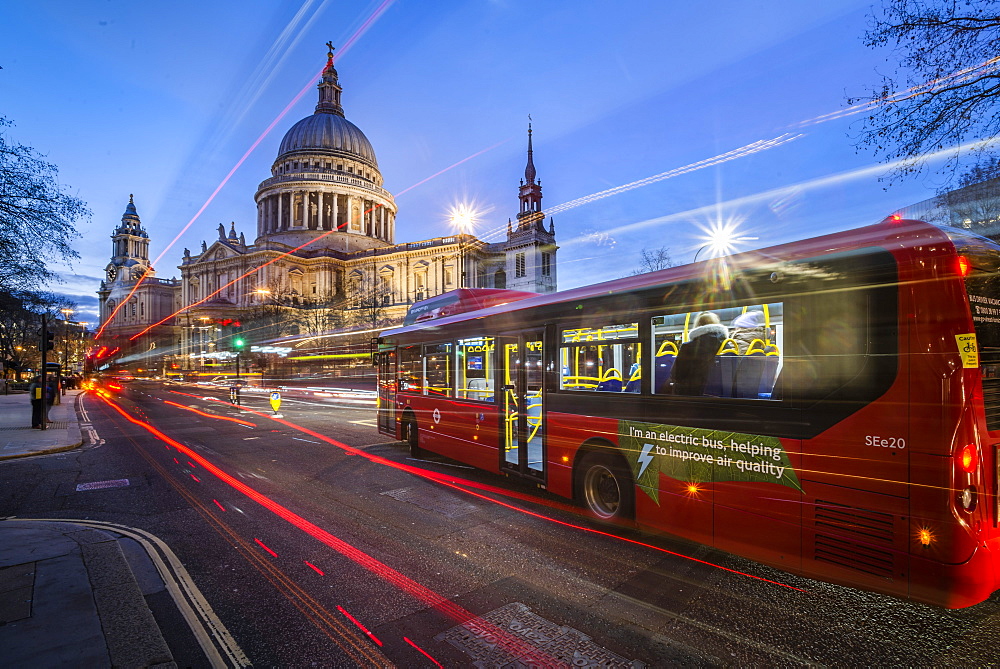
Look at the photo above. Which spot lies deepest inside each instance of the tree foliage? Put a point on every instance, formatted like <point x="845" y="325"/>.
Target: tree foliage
<point x="946" y="89"/>
<point x="36" y="217"/>
<point x="20" y="326"/>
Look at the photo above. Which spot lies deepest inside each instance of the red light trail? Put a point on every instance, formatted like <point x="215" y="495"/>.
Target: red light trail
<point x="207" y="415"/>
<point x="418" y="591"/>
<point x="423" y="652"/>
<point x="460" y="485"/>
<point x="360" y="626"/>
<point x="261" y="543"/>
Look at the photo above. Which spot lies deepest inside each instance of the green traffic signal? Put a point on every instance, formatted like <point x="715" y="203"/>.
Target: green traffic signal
<point x="238" y="343"/>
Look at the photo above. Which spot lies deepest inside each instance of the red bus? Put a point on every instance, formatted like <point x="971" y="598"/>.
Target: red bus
<point x="830" y="407"/>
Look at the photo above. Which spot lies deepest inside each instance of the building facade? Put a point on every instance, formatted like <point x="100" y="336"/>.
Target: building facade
<point x="130" y="303"/>
<point x="324" y="256"/>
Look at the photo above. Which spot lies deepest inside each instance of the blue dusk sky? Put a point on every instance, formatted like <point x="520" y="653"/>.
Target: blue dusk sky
<point x="163" y="100"/>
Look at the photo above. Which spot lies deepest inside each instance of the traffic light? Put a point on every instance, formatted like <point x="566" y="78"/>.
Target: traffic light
<point x="238" y="341"/>
<point x="48" y="340"/>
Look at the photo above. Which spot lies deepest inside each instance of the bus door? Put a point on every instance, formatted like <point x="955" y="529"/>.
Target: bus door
<point x="522" y="425"/>
<point x="387" y="380"/>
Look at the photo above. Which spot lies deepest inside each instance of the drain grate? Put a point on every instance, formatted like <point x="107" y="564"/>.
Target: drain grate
<point x="51" y="426"/>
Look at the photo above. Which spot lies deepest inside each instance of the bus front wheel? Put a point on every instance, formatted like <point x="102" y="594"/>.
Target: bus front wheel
<point x="412" y="437"/>
<point x="606" y="487"/>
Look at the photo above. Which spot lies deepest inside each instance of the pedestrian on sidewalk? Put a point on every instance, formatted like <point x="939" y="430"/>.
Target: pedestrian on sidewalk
<point x="50" y="396"/>
<point x="36" y="394"/>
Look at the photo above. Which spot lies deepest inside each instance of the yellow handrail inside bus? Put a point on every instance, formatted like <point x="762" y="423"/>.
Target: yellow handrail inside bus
<point x="733" y="347"/>
<point x="671" y="348"/>
<point x="580" y="381"/>
<point x="754" y="343"/>
<point x="612" y="374"/>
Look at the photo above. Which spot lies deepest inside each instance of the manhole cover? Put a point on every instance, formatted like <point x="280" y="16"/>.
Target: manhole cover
<point x="433" y="499"/>
<point x="514" y="637"/>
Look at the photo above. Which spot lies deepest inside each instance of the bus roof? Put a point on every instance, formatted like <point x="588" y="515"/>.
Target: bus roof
<point x="460" y="301"/>
<point x="892" y="232"/>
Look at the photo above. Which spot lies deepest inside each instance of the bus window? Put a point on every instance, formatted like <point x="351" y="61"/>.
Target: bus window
<point x="411" y="369"/>
<point x="601" y="359"/>
<point x="727" y="352"/>
<point x="437" y="369"/>
<point x="475" y="369"/>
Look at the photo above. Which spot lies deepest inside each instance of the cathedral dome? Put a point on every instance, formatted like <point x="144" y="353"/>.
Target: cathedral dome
<point x="326" y="132"/>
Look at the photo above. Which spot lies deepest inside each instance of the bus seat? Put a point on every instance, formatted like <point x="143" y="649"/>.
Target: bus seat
<point x="727" y="361"/>
<point x="714" y="384"/>
<point x="768" y="375"/>
<point x="720" y="376"/>
<point x="634" y="381"/>
<point x="756" y="374"/>
<point x="612" y="381"/>
<point x="756" y="346"/>
<point x="661" y="375"/>
<point x="748" y="375"/>
<point x="477" y="389"/>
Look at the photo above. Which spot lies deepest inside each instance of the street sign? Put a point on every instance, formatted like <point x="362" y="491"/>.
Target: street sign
<point x="275" y="401"/>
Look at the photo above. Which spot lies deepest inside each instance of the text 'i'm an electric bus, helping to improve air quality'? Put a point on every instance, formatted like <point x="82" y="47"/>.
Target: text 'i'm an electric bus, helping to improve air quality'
<point x="830" y="407"/>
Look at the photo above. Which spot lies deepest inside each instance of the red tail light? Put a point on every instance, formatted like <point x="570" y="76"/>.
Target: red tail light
<point x="968" y="458"/>
<point x="964" y="266"/>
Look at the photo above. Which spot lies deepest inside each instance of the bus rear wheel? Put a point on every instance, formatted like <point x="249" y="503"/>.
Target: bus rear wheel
<point x="606" y="487"/>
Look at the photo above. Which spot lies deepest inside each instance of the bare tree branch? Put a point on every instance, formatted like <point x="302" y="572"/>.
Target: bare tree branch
<point x="946" y="89"/>
<point x="36" y="217"/>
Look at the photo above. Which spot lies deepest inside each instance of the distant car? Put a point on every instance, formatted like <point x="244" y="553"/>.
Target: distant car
<point x="229" y="381"/>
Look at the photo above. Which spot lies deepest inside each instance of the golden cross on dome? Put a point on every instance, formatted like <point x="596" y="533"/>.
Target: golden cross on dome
<point x="329" y="53"/>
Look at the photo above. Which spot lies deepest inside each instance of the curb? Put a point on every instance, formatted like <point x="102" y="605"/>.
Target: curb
<point x="54" y="449"/>
<point x="132" y="634"/>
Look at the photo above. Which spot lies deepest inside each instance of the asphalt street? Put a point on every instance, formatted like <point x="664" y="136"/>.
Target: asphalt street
<point x="315" y="540"/>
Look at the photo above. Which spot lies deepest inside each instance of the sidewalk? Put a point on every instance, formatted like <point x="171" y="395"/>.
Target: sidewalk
<point x="18" y="440"/>
<point x="69" y="598"/>
<point x="70" y="595"/>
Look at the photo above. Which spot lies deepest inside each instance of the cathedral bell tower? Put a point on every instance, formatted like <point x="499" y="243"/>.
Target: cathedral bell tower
<point x="530" y="248"/>
<point x="130" y="248"/>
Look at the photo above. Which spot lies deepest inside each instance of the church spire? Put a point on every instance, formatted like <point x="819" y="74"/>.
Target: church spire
<point x="529" y="170"/>
<point x="530" y="194"/>
<point x="329" y="88"/>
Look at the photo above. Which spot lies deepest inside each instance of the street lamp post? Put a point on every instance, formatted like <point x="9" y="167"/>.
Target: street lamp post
<point x="62" y="370"/>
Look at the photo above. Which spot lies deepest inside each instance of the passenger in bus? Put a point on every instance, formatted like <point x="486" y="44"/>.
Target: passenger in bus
<point x="746" y="327"/>
<point x="696" y="356"/>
